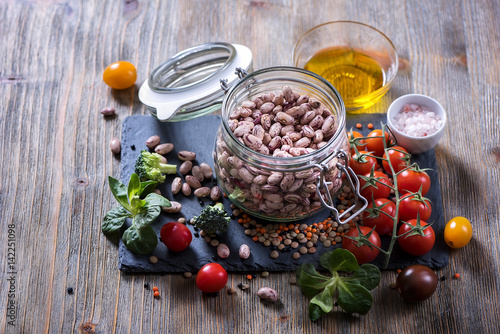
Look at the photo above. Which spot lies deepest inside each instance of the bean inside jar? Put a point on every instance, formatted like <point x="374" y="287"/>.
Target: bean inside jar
<point x="281" y="124"/>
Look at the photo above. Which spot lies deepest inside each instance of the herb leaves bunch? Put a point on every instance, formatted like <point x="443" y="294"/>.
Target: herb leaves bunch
<point x="138" y="202"/>
<point x="352" y="293"/>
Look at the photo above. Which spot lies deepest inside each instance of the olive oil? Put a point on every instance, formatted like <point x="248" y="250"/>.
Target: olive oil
<point x="356" y="75"/>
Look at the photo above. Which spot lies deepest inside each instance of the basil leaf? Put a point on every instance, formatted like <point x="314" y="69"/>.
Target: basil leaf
<point x="155" y="199"/>
<point x="371" y="278"/>
<point x="339" y="260"/>
<point x="140" y="241"/>
<point x="134" y="186"/>
<point x="147" y="187"/>
<point x="310" y="281"/>
<point x="119" y="191"/>
<point x="137" y="204"/>
<point x="324" y="300"/>
<point x="114" y="219"/>
<point x="315" y="312"/>
<point x="354" y="298"/>
<point x="146" y="216"/>
<point x="321" y="304"/>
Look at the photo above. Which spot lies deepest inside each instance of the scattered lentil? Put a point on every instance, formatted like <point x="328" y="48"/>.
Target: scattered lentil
<point x="296" y="255"/>
<point x="303" y="250"/>
<point x="187" y="274"/>
<point x="359" y="125"/>
<point x="70" y="291"/>
<point x="153" y="259"/>
<point x="274" y="254"/>
<point x="231" y="290"/>
<point x="182" y="220"/>
<point x="370" y="126"/>
<point x="265" y="274"/>
<point x="456" y="276"/>
<point x="293" y="280"/>
<point x="214" y="242"/>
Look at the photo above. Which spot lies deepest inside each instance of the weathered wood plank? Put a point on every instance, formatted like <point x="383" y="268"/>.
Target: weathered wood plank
<point x="54" y="144"/>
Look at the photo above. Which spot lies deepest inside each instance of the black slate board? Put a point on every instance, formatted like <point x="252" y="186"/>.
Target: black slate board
<point x="198" y="135"/>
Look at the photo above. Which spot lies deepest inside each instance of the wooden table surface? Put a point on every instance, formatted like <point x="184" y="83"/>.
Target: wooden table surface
<point x="55" y="160"/>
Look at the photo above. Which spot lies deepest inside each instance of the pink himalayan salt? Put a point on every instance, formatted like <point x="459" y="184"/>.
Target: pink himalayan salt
<point x="417" y="121"/>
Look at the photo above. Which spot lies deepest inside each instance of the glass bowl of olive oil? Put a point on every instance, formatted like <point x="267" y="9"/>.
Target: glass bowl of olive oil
<point x="357" y="59"/>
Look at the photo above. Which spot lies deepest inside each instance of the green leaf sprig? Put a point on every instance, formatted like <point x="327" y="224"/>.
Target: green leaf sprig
<point x="351" y="292"/>
<point x="138" y="202"/>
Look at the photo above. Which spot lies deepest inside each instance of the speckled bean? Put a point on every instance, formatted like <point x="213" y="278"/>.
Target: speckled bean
<point x="174" y="207"/>
<point x="186" y="189"/>
<point x="115" y="145"/>
<point x="176" y="185"/>
<point x="215" y="193"/>
<point x="252" y="142"/>
<point x="223" y="251"/>
<point x="202" y="192"/>
<point x="244" y="251"/>
<point x="153" y="141"/>
<point x="192" y="181"/>
<point x="185" y="167"/>
<point x="206" y="170"/>
<point x="164" y="148"/>
<point x="186" y="155"/>
<point x="287" y="181"/>
<point x="268" y="294"/>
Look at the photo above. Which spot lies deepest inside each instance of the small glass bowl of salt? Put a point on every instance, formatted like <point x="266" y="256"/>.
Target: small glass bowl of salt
<point x="417" y="121"/>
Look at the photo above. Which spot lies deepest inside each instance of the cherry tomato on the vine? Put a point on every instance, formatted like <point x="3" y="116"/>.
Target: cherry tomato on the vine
<point x="212" y="277"/>
<point x="412" y="205"/>
<point x="416" y="283"/>
<point x="360" y="144"/>
<point x="376" y="215"/>
<point x="362" y="164"/>
<point x="371" y="189"/>
<point x="418" y="242"/>
<point x="376" y="145"/>
<point x="363" y="253"/>
<point x="120" y="75"/>
<point x="176" y="236"/>
<point x="411" y="180"/>
<point x="399" y="159"/>
<point x="458" y="232"/>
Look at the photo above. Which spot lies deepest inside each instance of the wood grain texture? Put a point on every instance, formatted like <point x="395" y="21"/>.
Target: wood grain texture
<point x="55" y="159"/>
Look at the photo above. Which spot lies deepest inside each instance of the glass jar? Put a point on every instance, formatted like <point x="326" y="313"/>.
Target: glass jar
<point x="276" y="185"/>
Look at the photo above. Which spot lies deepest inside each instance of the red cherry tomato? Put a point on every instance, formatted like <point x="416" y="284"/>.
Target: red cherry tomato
<point x="374" y="189"/>
<point x="416" y="244"/>
<point x="376" y="145"/>
<point x="363" y="253"/>
<point x="411" y="181"/>
<point x="120" y="75"/>
<point x="360" y="144"/>
<point x="212" y="277"/>
<point x="176" y="236"/>
<point x="413" y="205"/>
<point x="399" y="160"/>
<point x="374" y="216"/>
<point x="363" y="164"/>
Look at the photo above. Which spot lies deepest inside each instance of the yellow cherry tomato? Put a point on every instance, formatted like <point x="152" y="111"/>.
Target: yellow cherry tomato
<point x="458" y="232"/>
<point x="120" y="75"/>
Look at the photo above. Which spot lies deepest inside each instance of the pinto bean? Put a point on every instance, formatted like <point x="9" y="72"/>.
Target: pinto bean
<point x="164" y="148"/>
<point x="186" y="155"/>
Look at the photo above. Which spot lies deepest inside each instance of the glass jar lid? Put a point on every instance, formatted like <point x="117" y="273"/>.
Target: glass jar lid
<point x="188" y="84"/>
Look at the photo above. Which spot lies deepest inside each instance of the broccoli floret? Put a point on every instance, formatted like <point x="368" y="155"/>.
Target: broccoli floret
<point x="237" y="195"/>
<point x="212" y="219"/>
<point x="149" y="167"/>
